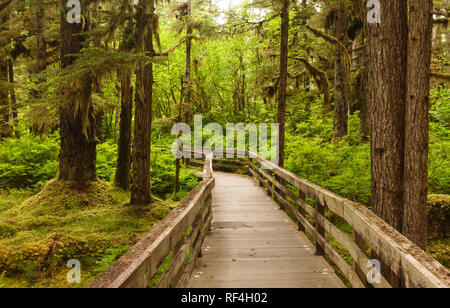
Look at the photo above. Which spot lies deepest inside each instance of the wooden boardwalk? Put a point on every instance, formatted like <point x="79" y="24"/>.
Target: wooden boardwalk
<point x="253" y="244"/>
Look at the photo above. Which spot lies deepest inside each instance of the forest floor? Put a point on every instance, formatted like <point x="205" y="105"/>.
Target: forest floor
<point x="88" y="222"/>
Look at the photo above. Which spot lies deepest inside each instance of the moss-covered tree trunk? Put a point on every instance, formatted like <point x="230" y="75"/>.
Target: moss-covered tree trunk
<point x="284" y="51"/>
<point x="41" y="44"/>
<point x="417" y="113"/>
<point x="5" y="128"/>
<point x="5" y="104"/>
<point x="77" y="158"/>
<point x="340" y="127"/>
<point x="188" y="64"/>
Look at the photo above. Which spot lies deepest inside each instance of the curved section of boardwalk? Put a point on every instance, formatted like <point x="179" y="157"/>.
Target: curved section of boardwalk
<point x="253" y="244"/>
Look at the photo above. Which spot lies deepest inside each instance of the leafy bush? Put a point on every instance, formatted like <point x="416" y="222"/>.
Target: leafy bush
<point x="28" y="162"/>
<point x="163" y="174"/>
<point x="342" y="167"/>
<point x="106" y="161"/>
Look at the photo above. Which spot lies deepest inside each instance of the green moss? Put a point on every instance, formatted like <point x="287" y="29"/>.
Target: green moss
<point x="438" y="216"/>
<point x="440" y="250"/>
<point x="90" y="222"/>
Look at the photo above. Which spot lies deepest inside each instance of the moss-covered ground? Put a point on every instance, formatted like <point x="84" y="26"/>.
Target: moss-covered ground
<point x="90" y="222"/>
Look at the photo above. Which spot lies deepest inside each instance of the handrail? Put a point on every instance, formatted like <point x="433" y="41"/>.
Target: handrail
<point x="138" y="266"/>
<point x="412" y="266"/>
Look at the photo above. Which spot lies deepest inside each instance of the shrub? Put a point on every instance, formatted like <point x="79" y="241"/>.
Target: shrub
<point x="106" y="161"/>
<point x="163" y="174"/>
<point x="28" y="162"/>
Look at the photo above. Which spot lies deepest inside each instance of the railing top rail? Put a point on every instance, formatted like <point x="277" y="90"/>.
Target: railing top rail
<point x="137" y="267"/>
<point x="404" y="257"/>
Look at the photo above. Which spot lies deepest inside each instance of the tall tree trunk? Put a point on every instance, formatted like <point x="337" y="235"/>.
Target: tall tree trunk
<point x="5" y="128"/>
<point x="122" y="177"/>
<point x="12" y="90"/>
<point x="141" y="188"/>
<point x="340" y="128"/>
<point x="387" y="47"/>
<point x="188" y="64"/>
<point x="41" y="44"/>
<point x="77" y="158"/>
<point x="417" y="112"/>
<point x="283" y="79"/>
<point x="361" y="92"/>
<point x="37" y="127"/>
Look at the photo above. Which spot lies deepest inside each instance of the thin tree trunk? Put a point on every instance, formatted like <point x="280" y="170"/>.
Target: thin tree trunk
<point x="188" y="64"/>
<point x="5" y="128"/>
<point x="12" y="90"/>
<point x="361" y="90"/>
<point x="41" y="44"/>
<point x="417" y="112"/>
<point x="122" y="177"/>
<point x="141" y="188"/>
<point x="77" y="158"/>
<point x="387" y="47"/>
<point x="283" y="79"/>
<point x="340" y="128"/>
<point x="41" y="61"/>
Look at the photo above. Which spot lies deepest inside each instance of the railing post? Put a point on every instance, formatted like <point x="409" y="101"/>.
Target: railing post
<point x="357" y="267"/>
<point x="302" y="211"/>
<point x="270" y="184"/>
<point x="321" y="210"/>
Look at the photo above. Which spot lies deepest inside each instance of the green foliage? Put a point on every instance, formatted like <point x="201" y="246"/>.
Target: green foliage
<point x="28" y="162"/>
<point x="89" y="222"/>
<point x="342" y="167"/>
<point x="111" y="255"/>
<point x="2" y="276"/>
<point x="440" y="250"/>
<point x="106" y="161"/>
<point x="163" y="174"/>
<point x="439" y="173"/>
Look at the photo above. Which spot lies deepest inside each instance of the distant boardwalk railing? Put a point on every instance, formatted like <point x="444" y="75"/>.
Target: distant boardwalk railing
<point x="403" y="264"/>
<point x="181" y="233"/>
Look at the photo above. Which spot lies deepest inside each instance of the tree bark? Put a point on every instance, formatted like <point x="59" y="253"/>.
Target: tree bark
<point x="122" y="177"/>
<point x="188" y="64"/>
<point x="141" y="188"/>
<point x="5" y="128"/>
<point x="340" y="127"/>
<point x="41" y="45"/>
<point x="417" y="123"/>
<point x="387" y="47"/>
<point x="284" y="52"/>
<point x="77" y="158"/>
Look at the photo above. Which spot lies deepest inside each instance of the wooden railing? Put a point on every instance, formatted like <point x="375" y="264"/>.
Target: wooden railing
<point x="307" y="204"/>
<point x="180" y="234"/>
<point x="411" y="266"/>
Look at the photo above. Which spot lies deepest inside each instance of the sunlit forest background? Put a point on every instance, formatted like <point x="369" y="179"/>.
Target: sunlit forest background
<point x="234" y="50"/>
